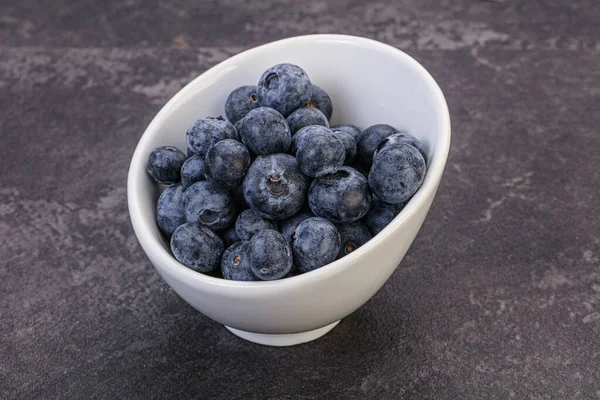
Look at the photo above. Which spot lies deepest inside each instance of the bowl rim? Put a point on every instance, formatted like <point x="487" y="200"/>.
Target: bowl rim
<point x="141" y="224"/>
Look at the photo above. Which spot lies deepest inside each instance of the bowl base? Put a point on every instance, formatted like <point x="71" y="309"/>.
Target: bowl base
<point x="281" y="340"/>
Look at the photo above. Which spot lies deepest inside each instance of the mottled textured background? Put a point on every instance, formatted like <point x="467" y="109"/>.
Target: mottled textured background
<point x="499" y="297"/>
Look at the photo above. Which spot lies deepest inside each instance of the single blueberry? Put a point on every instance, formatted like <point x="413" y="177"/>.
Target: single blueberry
<point x="237" y="196"/>
<point x="321" y="100"/>
<point x="288" y="226"/>
<point x="235" y="263"/>
<point x="197" y="247"/>
<point x="306" y="116"/>
<point x="381" y="214"/>
<point x="264" y="131"/>
<point x="249" y="223"/>
<point x="316" y="242"/>
<point x="226" y="163"/>
<point x="284" y="87"/>
<point x="406" y="138"/>
<point x="209" y="205"/>
<point x="353" y="235"/>
<point x="351" y="129"/>
<point x="240" y="102"/>
<point x="192" y="171"/>
<point x="349" y="146"/>
<point x="205" y="133"/>
<point x="164" y="164"/>
<point x="397" y="173"/>
<point x="169" y="209"/>
<point x="368" y="141"/>
<point x="274" y="186"/>
<point x="270" y="255"/>
<point x="342" y="197"/>
<point x="319" y="152"/>
<point x="230" y="236"/>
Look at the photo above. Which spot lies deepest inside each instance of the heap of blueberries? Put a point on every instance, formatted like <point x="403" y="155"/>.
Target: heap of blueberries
<point x="274" y="191"/>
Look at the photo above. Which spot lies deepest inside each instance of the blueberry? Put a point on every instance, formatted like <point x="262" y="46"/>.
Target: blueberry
<point x="250" y="222"/>
<point x="264" y="131"/>
<point x="342" y="197"/>
<point x="381" y="214"/>
<point x="270" y="255"/>
<point x="351" y="129"/>
<point x="237" y="196"/>
<point x="284" y="87"/>
<point x="197" y="247"/>
<point x="403" y="138"/>
<point x="319" y="152"/>
<point x="235" y="263"/>
<point x="287" y="227"/>
<point x="240" y="102"/>
<point x="205" y="133"/>
<point x="349" y="146"/>
<point x="321" y="100"/>
<point x="164" y="164"/>
<point x="274" y="186"/>
<point x="397" y="173"/>
<point x="226" y="163"/>
<point x="316" y="242"/>
<point x="368" y="141"/>
<point x="306" y="116"/>
<point x="230" y="236"/>
<point x="353" y="235"/>
<point x="209" y="205"/>
<point x="169" y="209"/>
<point x="192" y="171"/>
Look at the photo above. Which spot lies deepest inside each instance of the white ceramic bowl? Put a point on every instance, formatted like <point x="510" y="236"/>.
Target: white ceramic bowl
<point x="369" y="83"/>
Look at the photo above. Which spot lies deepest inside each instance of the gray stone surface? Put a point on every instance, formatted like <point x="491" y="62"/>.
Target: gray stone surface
<point x="499" y="297"/>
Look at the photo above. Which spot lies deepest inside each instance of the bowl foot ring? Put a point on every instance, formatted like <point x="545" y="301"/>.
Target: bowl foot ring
<point x="279" y="340"/>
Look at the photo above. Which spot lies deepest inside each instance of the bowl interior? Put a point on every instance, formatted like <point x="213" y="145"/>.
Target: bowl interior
<point x="368" y="82"/>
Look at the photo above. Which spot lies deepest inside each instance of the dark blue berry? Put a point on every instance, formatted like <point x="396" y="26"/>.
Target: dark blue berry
<point x="306" y="116"/>
<point x="235" y="263"/>
<point x="288" y="226"/>
<point x="406" y="138"/>
<point x="316" y="242"/>
<point x="353" y="130"/>
<point x="321" y="100"/>
<point x="397" y="173"/>
<point x="169" y="209"/>
<point x="209" y="205"/>
<point x="264" y="131"/>
<point x="381" y="214"/>
<point x="274" y="186"/>
<point x="240" y="102"/>
<point x="353" y="235"/>
<point x="249" y="223"/>
<point x="164" y="164"/>
<point x="270" y="255"/>
<point x="205" y="133"/>
<point x="230" y="236"/>
<point x="192" y="171"/>
<point x="319" y="152"/>
<point x="368" y="141"/>
<point x="226" y="163"/>
<point x="284" y="87"/>
<point x="342" y="197"/>
<point x="197" y="247"/>
<point x="349" y="146"/>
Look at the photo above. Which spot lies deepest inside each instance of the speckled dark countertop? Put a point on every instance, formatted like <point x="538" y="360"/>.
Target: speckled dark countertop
<point x="499" y="297"/>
